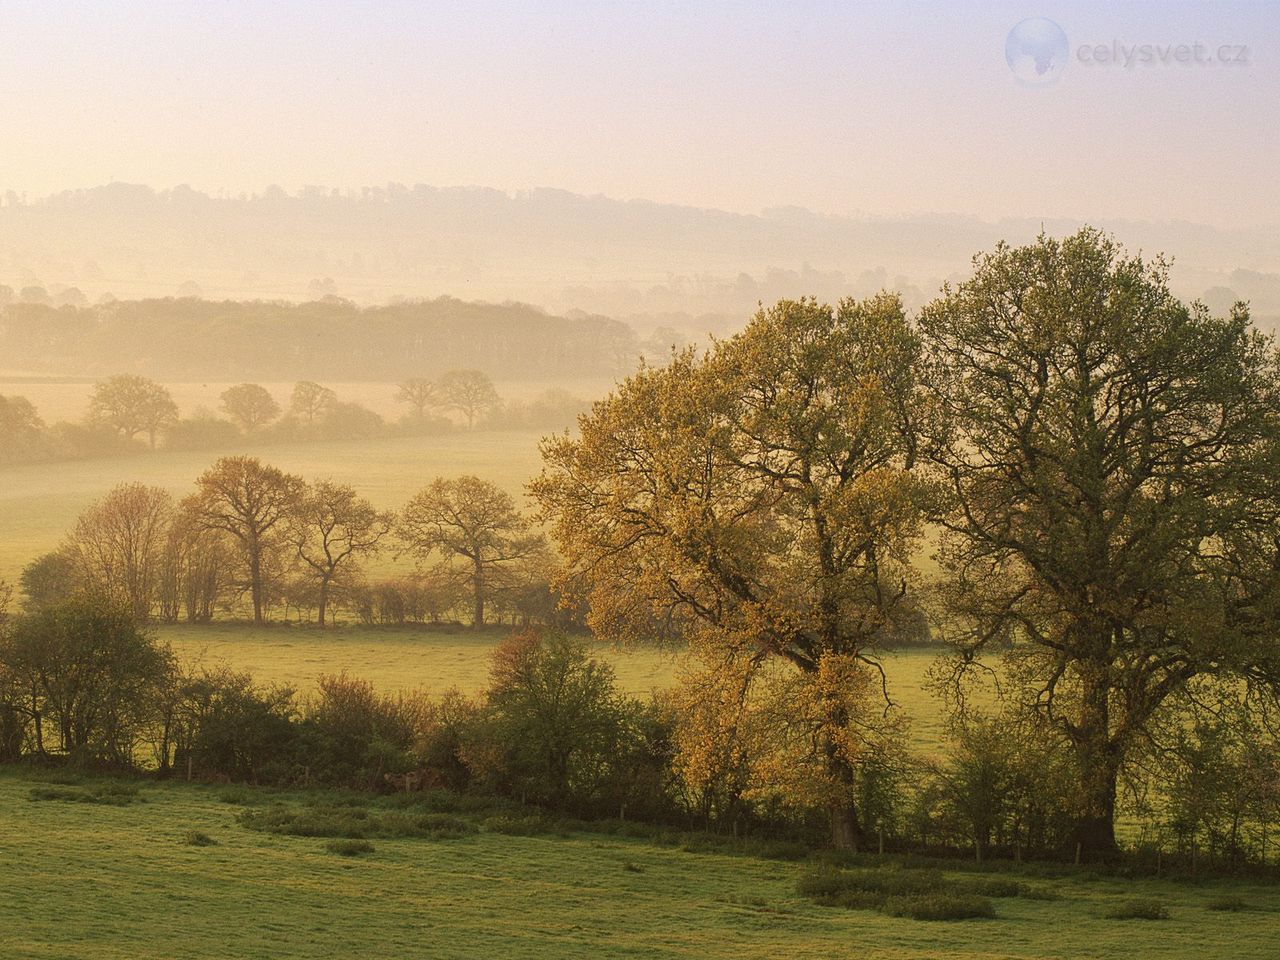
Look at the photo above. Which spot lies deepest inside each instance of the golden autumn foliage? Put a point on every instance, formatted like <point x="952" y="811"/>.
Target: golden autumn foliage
<point x="759" y="503"/>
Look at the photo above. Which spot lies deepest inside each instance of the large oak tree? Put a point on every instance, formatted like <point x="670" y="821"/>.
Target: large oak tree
<point x="1107" y="458"/>
<point x="760" y="502"/>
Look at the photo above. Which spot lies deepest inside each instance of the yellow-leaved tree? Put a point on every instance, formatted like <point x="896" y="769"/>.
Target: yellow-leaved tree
<point x="758" y="502"/>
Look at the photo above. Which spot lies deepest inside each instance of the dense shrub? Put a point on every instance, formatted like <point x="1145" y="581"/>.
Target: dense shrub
<point x="226" y="726"/>
<point x="93" y="681"/>
<point x="355" y="736"/>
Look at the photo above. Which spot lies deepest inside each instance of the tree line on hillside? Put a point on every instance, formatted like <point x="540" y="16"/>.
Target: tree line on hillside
<point x="128" y="411"/>
<point x="331" y="338"/>
<point x="1102" y="465"/>
<point x="254" y="541"/>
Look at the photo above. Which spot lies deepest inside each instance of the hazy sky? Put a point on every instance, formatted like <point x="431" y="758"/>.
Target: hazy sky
<point x="881" y="109"/>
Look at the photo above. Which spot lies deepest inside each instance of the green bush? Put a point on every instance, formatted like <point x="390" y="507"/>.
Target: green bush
<point x="194" y="838"/>
<point x="940" y="906"/>
<point x="1139" y="908"/>
<point x="349" y="848"/>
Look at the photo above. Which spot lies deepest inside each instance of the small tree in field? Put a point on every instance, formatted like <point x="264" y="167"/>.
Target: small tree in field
<point x="250" y="501"/>
<point x="250" y="406"/>
<point x="310" y="402"/>
<point x="557" y="713"/>
<point x="119" y="545"/>
<point x="130" y="404"/>
<point x="418" y="393"/>
<point x="469" y="392"/>
<point x="332" y="528"/>
<point x="470" y="520"/>
<point x="93" y="678"/>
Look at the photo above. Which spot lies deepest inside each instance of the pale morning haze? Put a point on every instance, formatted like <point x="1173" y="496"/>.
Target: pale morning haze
<point x="879" y="109"/>
<point x="635" y="479"/>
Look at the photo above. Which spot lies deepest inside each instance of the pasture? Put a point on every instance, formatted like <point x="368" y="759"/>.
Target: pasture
<point x="173" y="872"/>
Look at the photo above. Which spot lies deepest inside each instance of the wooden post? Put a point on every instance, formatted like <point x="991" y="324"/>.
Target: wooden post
<point x="881" y="841"/>
<point x="1077" y="853"/>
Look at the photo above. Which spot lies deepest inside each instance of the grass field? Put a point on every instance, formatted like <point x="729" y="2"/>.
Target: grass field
<point x="97" y="881"/>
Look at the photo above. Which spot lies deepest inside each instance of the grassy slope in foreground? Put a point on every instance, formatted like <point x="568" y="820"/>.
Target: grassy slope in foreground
<point x="101" y="882"/>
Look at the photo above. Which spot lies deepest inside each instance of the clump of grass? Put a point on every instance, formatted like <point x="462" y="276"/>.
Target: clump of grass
<point x="527" y="826"/>
<point x="1031" y="892"/>
<point x="352" y="824"/>
<point x="111" y="794"/>
<point x="236" y="795"/>
<point x="940" y="906"/>
<point x="1228" y="903"/>
<point x="920" y="894"/>
<point x="349" y="848"/>
<point x="630" y="867"/>
<point x="1138" y="908"/>
<point x="355" y="823"/>
<point x="194" y="838"/>
<point x="990" y="887"/>
<point x="828" y="883"/>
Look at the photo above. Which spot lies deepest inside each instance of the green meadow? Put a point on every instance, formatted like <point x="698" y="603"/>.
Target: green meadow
<point x="172" y="872"/>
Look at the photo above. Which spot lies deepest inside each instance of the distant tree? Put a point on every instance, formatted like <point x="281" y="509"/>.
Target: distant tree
<point x="6" y="295"/>
<point x="18" y="419"/>
<point x="21" y="430"/>
<point x="310" y="401"/>
<point x="331" y="528"/>
<point x="197" y="569"/>
<point x="119" y="545"/>
<point x="35" y="294"/>
<point x="50" y="579"/>
<point x="419" y="393"/>
<point x="250" y="501"/>
<point x="130" y="404"/>
<point x="350" y="421"/>
<point x="250" y="406"/>
<point x="469" y="392"/>
<point x="472" y="520"/>
<point x="71" y="297"/>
